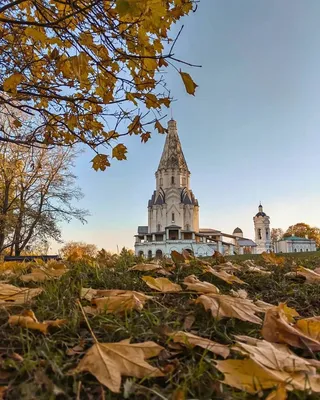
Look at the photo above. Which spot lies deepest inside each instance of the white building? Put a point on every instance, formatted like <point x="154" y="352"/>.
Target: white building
<point x="173" y="213"/>
<point x="262" y="231"/>
<point x="292" y="244"/>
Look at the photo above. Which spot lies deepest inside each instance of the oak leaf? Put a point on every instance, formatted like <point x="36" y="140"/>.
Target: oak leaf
<point x="12" y="295"/>
<point x="229" y="278"/>
<point x="223" y="306"/>
<point x="27" y="319"/>
<point x="278" y="327"/>
<point x="188" y="83"/>
<point x="193" y="283"/>
<point x="161" y="284"/>
<point x="109" y="361"/>
<point x="188" y="339"/>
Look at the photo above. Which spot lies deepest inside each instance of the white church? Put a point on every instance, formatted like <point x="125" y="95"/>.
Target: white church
<point x="173" y="215"/>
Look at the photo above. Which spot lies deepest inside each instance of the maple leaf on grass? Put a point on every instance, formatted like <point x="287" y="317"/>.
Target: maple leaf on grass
<point x="223" y="306"/>
<point x="273" y="259"/>
<point x="224" y="276"/>
<point x="161" y="284"/>
<point x="193" y="283"/>
<point x="278" y="327"/>
<point x="43" y="274"/>
<point x="27" y="319"/>
<point x="122" y="302"/>
<point x="150" y="267"/>
<point x="12" y="295"/>
<point x="188" y="339"/>
<point x="310" y="275"/>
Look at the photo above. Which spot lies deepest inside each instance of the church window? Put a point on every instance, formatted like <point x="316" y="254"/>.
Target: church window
<point x="267" y="234"/>
<point x="172" y="180"/>
<point x="259" y="234"/>
<point x="172" y="217"/>
<point x="184" y="181"/>
<point x="158" y="228"/>
<point x="188" y="227"/>
<point x="161" y="181"/>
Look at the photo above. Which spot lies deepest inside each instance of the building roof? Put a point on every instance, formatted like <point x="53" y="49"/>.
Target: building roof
<point x="172" y="155"/>
<point x="296" y="239"/>
<point x="246" y="242"/>
<point x="237" y="230"/>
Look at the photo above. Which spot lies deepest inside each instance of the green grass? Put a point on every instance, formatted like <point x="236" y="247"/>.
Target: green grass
<point x="43" y="371"/>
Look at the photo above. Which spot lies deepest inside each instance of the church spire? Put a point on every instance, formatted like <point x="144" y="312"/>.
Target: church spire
<point x="172" y="155"/>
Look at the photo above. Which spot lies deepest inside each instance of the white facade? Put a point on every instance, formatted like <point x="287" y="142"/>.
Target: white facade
<point x="173" y="213"/>
<point x="294" y="244"/>
<point x="262" y="231"/>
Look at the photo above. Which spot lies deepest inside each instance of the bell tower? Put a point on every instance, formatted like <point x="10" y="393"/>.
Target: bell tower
<point x="262" y="231"/>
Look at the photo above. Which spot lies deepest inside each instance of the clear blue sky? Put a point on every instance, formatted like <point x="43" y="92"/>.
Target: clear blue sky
<point x="251" y="132"/>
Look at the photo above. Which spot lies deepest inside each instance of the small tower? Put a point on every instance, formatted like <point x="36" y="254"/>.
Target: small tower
<point x="238" y="232"/>
<point x="262" y="231"/>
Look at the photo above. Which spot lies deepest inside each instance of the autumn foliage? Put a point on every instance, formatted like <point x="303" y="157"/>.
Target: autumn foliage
<point x="86" y="71"/>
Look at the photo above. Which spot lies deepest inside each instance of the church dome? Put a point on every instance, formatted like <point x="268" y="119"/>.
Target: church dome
<point x="237" y="230"/>
<point x="261" y="214"/>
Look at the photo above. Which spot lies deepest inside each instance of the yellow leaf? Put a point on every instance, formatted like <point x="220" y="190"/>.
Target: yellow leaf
<point x="273" y="259"/>
<point x="119" y="152"/>
<point x="161" y="284"/>
<point x="160" y="128"/>
<point x="193" y="283"/>
<point x="100" y="162"/>
<point x="109" y="361"/>
<point x="222" y="306"/>
<point x="145" y="267"/>
<point x="123" y="7"/>
<point x="28" y="320"/>
<point x="151" y="101"/>
<point x="310" y="327"/>
<point x="126" y="301"/>
<point x="280" y="393"/>
<point x="130" y="97"/>
<point x="88" y="293"/>
<point x="188" y="83"/>
<point x="10" y="84"/>
<point x="188" y="339"/>
<point x="35" y="34"/>
<point x="12" y="295"/>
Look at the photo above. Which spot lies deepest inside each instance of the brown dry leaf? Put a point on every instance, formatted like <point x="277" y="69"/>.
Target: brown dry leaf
<point x="3" y="390"/>
<point x="317" y="270"/>
<point x="188" y="339"/>
<point x="129" y="300"/>
<point x="239" y="293"/>
<point x="12" y="295"/>
<point x="179" y="258"/>
<point x="229" y="267"/>
<point x="222" y="306"/>
<point x="88" y="293"/>
<point x="263" y="305"/>
<point x="278" y="327"/>
<point x="189" y="321"/>
<point x="310" y="275"/>
<point x="193" y="283"/>
<point x="109" y="361"/>
<point x="273" y="259"/>
<point x="42" y="274"/>
<point x="27" y="319"/>
<point x="224" y="276"/>
<point x="145" y="267"/>
<point x="218" y="257"/>
<point x="161" y="284"/>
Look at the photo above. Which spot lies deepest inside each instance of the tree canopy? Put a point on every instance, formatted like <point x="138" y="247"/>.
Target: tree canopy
<point x="87" y="71"/>
<point x="301" y="230"/>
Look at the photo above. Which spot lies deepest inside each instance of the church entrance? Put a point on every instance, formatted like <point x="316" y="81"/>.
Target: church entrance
<point x="173" y="234"/>
<point x="158" y="254"/>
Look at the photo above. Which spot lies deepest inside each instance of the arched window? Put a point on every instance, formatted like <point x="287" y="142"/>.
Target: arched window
<point x="158" y="228"/>
<point x="172" y="218"/>
<point x="161" y="181"/>
<point x="267" y="234"/>
<point x="187" y="227"/>
<point x="172" y="180"/>
<point x="259" y="234"/>
<point x="184" y="181"/>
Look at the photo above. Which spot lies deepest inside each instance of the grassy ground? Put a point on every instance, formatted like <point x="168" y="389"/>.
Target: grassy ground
<point x="41" y="371"/>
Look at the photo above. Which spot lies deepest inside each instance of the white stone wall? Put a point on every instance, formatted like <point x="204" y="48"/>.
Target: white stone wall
<point x="199" y="249"/>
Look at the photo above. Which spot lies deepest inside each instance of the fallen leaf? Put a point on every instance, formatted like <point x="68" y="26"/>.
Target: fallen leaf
<point x="179" y="258"/>
<point x="311" y="276"/>
<point x="145" y="267"/>
<point x="263" y="305"/>
<point x="222" y="306"/>
<point x="28" y="320"/>
<point x="229" y="267"/>
<point x="280" y="393"/>
<point x="3" y="390"/>
<point x="12" y="295"/>
<point x="88" y="293"/>
<point x="193" y="283"/>
<point x="219" y="257"/>
<point x="109" y="361"/>
<point x="310" y="327"/>
<point x="239" y="293"/>
<point x="189" y="321"/>
<point x="161" y="284"/>
<point x="224" y="276"/>
<point x="42" y="274"/>
<point x="123" y="302"/>
<point x="188" y="339"/>
<point x="278" y="327"/>
<point x="273" y="259"/>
